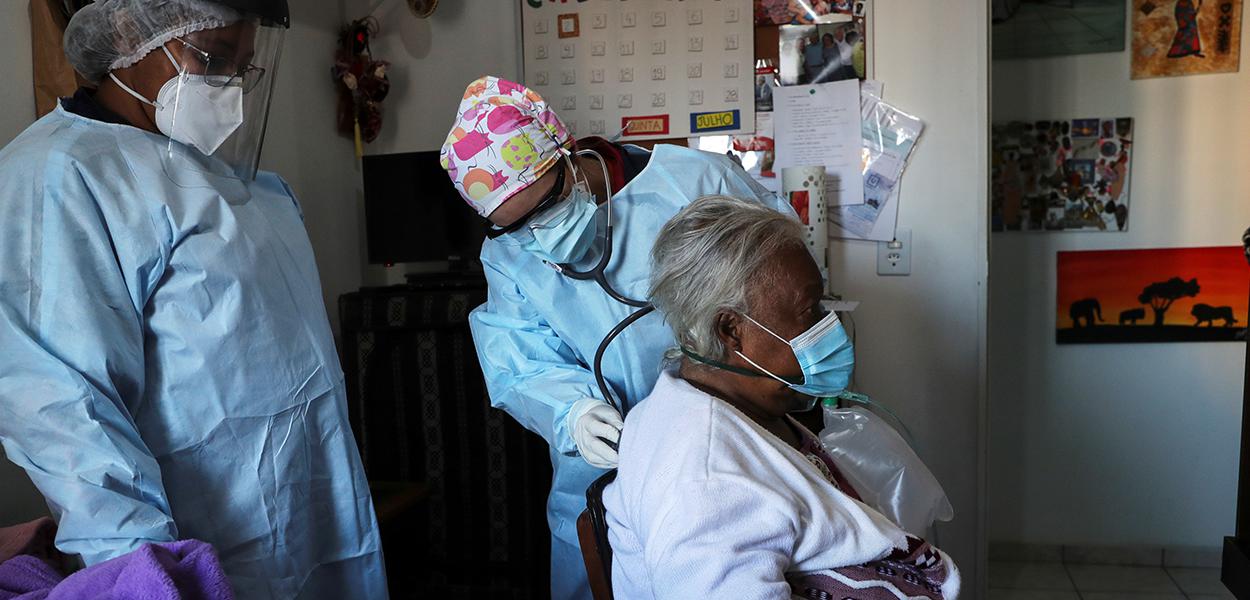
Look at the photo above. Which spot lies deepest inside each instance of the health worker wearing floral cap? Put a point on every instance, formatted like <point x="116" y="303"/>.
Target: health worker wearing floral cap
<point x="549" y="199"/>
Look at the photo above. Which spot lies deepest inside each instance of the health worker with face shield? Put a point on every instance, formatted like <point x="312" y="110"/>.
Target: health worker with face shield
<point x="567" y="263"/>
<point x="169" y="370"/>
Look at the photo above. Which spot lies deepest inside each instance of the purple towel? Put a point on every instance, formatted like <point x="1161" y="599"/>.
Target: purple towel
<point x="27" y="577"/>
<point x="187" y="570"/>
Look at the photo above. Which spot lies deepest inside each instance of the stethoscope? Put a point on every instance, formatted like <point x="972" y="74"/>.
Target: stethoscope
<point x="598" y="274"/>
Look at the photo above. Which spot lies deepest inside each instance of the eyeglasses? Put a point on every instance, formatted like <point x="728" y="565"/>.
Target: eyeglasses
<point x="224" y="72"/>
<point x="552" y="198"/>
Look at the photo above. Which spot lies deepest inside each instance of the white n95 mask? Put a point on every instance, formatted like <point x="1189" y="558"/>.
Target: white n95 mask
<point x="191" y="111"/>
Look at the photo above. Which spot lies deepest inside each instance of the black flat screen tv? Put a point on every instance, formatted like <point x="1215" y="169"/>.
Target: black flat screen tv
<point x="413" y="213"/>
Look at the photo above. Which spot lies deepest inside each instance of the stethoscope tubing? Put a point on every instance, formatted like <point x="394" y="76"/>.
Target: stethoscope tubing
<point x="598" y="274"/>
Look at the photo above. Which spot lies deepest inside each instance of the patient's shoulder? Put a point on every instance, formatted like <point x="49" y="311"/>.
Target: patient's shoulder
<point x="682" y="433"/>
<point x="675" y="413"/>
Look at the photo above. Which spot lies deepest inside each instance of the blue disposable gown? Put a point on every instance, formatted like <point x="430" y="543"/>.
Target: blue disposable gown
<point x="537" y="334"/>
<point x="168" y="370"/>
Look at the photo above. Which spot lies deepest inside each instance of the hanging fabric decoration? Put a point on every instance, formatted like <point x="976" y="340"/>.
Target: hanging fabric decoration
<point x="362" y="83"/>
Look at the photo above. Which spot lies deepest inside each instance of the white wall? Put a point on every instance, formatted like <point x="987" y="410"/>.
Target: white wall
<point x="1119" y="444"/>
<point x="919" y="345"/>
<point x="433" y="62"/>
<point x="17" y="97"/>
<point x="302" y="145"/>
<point x="20" y="501"/>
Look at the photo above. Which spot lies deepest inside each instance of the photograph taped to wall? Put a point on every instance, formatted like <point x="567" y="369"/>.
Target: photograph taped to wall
<point x="1061" y="175"/>
<point x="1185" y="37"/>
<point x="833" y="51"/>
<point x="1157" y="295"/>
<point x="671" y="69"/>
<point x="765" y="80"/>
<point x="803" y="12"/>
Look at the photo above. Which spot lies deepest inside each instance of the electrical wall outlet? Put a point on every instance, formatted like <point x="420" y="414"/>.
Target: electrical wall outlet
<point x="894" y="257"/>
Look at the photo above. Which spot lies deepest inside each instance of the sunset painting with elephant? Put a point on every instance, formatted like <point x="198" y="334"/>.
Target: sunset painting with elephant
<point x="1156" y="295"/>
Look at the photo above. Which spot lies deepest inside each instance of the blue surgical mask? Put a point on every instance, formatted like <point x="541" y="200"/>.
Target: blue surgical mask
<point x="825" y="355"/>
<point x="565" y="233"/>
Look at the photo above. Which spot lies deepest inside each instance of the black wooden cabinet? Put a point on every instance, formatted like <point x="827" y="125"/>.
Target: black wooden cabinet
<point x="419" y="409"/>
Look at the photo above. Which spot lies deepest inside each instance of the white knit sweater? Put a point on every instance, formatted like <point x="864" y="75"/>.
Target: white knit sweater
<point x="708" y="504"/>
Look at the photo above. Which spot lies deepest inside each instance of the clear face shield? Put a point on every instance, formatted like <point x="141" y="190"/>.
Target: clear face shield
<point x="216" y="110"/>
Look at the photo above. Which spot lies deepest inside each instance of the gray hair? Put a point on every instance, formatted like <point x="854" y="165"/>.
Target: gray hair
<point x="705" y="258"/>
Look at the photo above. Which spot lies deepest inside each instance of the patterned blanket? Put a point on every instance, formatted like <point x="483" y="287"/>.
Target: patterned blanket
<point x="919" y="572"/>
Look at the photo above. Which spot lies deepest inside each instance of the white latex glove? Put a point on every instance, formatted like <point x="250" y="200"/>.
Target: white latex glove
<point x="596" y="428"/>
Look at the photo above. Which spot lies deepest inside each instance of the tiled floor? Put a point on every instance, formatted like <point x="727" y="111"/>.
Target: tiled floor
<point x="1058" y="581"/>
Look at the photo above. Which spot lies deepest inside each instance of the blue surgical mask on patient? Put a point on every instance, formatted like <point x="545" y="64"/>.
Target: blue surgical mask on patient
<point x="825" y="355"/>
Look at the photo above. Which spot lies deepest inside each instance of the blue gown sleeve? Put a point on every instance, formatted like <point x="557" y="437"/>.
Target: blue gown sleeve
<point x="72" y="338"/>
<point x="530" y="372"/>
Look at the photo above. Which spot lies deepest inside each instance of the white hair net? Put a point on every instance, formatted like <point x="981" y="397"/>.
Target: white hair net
<point x="107" y="35"/>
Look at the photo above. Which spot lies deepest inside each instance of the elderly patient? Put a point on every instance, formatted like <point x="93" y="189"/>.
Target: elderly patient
<point x="720" y="493"/>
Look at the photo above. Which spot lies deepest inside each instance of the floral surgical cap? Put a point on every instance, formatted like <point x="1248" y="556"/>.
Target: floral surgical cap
<point x="505" y="138"/>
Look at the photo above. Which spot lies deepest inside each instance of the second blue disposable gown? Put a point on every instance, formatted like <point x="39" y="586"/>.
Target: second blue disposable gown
<point x="537" y="334"/>
<point x="168" y="370"/>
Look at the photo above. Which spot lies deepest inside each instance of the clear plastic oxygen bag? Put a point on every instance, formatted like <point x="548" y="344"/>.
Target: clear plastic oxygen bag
<point x="882" y="467"/>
